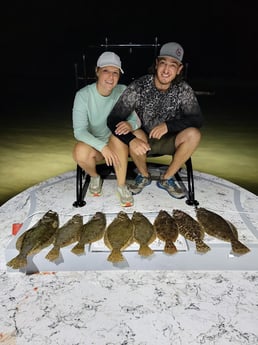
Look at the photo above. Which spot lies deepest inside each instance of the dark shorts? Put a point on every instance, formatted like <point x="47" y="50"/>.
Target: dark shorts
<point x="163" y="146"/>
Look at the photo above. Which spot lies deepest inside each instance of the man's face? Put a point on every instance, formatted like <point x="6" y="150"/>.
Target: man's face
<point x="167" y="69"/>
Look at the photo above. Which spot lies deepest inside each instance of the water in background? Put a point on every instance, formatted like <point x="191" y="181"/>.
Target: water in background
<point x="37" y="140"/>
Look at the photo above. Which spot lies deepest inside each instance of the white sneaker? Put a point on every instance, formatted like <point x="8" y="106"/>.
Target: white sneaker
<point x="125" y="196"/>
<point x="95" y="186"/>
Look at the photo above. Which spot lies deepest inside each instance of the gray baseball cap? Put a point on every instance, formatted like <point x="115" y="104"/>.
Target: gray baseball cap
<point x="172" y="49"/>
<point x="109" y="59"/>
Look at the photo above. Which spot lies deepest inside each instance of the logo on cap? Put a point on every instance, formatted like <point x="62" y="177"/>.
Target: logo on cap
<point x="179" y="52"/>
<point x="172" y="49"/>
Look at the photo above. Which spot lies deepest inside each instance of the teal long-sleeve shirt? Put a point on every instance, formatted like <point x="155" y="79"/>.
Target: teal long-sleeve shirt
<point x="90" y="112"/>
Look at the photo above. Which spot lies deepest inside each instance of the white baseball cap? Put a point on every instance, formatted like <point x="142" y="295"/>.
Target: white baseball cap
<point x="109" y="59"/>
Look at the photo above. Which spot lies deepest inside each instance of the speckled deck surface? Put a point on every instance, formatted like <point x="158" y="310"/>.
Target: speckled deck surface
<point x="58" y="194"/>
<point x="186" y="298"/>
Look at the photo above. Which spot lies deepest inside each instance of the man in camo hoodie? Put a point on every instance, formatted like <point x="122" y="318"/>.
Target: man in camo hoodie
<point x="170" y="116"/>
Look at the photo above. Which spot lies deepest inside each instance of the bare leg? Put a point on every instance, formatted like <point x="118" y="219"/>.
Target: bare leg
<point x="87" y="157"/>
<point x="140" y="161"/>
<point x="122" y="151"/>
<point x="186" y="143"/>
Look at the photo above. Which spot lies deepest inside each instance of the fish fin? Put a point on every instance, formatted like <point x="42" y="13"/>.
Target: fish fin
<point x="18" y="262"/>
<point x="170" y="248"/>
<point x="53" y="254"/>
<point x="238" y="247"/>
<point x="233" y="229"/>
<point x="115" y="256"/>
<point x="20" y="241"/>
<point x="201" y="247"/>
<point x="145" y="250"/>
<point x="78" y="249"/>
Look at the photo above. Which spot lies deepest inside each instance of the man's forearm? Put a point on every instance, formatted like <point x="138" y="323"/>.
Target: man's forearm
<point x="125" y="138"/>
<point x="112" y="122"/>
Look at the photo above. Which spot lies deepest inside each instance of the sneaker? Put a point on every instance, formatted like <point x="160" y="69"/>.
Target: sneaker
<point x="139" y="183"/>
<point x="171" y="187"/>
<point x="125" y="196"/>
<point x="95" y="186"/>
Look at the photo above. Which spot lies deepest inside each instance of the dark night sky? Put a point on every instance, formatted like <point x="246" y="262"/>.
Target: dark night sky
<point x="43" y="39"/>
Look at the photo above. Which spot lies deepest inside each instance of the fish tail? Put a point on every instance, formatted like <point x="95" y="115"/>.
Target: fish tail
<point x="53" y="254"/>
<point x="170" y="247"/>
<point x="115" y="256"/>
<point x="18" y="262"/>
<point x="78" y="249"/>
<point x="238" y="247"/>
<point x="201" y="247"/>
<point x="145" y="250"/>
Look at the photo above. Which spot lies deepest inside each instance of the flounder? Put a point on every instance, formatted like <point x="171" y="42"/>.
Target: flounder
<point x="167" y="231"/>
<point x="191" y="230"/>
<point x="118" y="236"/>
<point x="66" y="235"/>
<point x="144" y="233"/>
<point x="216" y="226"/>
<point x="91" y="231"/>
<point x="33" y="240"/>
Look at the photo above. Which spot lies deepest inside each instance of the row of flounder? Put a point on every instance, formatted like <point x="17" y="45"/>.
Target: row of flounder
<point x="122" y="232"/>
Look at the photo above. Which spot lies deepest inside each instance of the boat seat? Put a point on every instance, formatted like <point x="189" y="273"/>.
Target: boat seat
<point x="155" y="166"/>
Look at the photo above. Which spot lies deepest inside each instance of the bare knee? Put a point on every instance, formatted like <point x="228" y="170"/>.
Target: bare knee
<point x="81" y="151"/>
<point x="194" y="135"/>
<point x="139" y="133"/>
<point x="115" y="142"/>
<point x="190" y="135"/>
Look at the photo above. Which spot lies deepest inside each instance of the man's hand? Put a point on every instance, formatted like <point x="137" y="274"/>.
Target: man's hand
<point x="158" y="131"/>
<point x="123" y="127"/>
<point x="110" y="157"/>
<point x="139" y="146"/>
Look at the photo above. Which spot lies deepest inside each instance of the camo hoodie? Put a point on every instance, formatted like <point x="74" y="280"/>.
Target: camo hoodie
<point x="177" y="107"/>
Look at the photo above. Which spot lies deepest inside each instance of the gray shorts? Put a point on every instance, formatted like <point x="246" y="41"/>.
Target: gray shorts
<point x="163" y="146"/>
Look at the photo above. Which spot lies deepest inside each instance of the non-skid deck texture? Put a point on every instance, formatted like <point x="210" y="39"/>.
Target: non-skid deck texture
<point x="186" y="298"/>
<point x="230" y="201"/>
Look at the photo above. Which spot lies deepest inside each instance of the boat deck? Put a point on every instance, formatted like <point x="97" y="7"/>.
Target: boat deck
<point x="226" y="199"/>
<point x="186" y="298"/>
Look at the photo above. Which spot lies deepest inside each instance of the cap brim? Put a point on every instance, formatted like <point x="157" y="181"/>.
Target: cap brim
<point x="169" y="56"/>
<point x="112" y="66"/>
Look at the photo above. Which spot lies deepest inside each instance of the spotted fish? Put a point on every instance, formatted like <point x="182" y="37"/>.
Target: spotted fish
<point x="216" y="226"/>
<point x="33" y="240"/>
<point x="144" y="233"/>
<point x="118" y="236"/>
<point x="191" y="230"/>
<point x="166" y="230"/>
<point x="91" y="231"/>
<point x="66" y="235"/>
